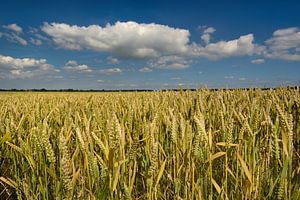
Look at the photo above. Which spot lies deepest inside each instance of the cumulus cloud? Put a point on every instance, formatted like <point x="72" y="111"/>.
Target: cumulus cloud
<point x="110" y="71"/>
<point x="258" y="61"/>
<point x="161" y="44"/>
<point x="148" y="41"/>
<point x="73" y="66"/>
<point x="207" y="34"/>
<point x="284" y="44"/>
<point x="242" y="46"/>
<point x="124" y="39"/>
<point x="112" y="60"/>
<point x="145" y="69"/>
<point x="170" y="62"/>
<point x="24" y="67"/>
<point x="14" y="27"/>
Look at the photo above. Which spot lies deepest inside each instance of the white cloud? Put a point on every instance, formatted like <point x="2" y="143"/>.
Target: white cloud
<point x="242" y="79"/>
<point x="170" y="62"/>
<point x="36" y="38"/>
<point x="18" y="39"/>
<point x="36" y="42"/>
<point x="12" y="37"/>
<point x="14" y="27"/>
<point x="73" y="66"/>
<point x="58" y="77"/>
<point x="258" y="61"/>
<point x="207" y="34"/>
<point x="284" y="44"/>
<point x="176" y="78"/>
<point x="112" y="60"/>
<point x="286" y="31"/>
<point x="157" y="42"/>
<point x="100" y="81"/>
<point x="35" y="32"/>
<point x="209" y="30"/>
<point x="110" y="71"/>
<point x="145" y="69"/>
<point x="24" y="67"/>
<point x="228" y="77"/>
<point x="238" y="47"/>
<point x="124" y="39"/>
<point x="41" y="37"/>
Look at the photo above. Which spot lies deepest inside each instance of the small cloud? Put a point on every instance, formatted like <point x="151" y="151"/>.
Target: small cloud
<point x="145" y="69"/>
<point x="37" y="38"/>
<point x="200" y="72"/>
<point x="112" y="60"/>
<point x="73" y="66"/>
<point x="58" y="77"/>
<point x="209" y="30"/>
<point x="242" y="46"/>
<point x="33" y="30"/>
<point x="36" y="42"/>
<point x="170" y="62"/>
<point x="207" y="34"/>
<point x="20" y="40"/>
<point x="14" y="27"/>
<point x="100" y="81"/>
<point x="242" y="79"/>
<point x="258" y="61"/>
<point x="229" y="77"/>
<point x="41" y="37"/>
<point x="284" y="44"/>
<point x="25" y="68"/>
<point x="110" y="71"/>
<point x="55" y="77"/>
<point x="12" y="37"/>
<point x="176" y="78"/>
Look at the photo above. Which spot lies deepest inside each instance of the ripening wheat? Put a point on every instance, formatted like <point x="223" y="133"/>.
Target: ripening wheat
<point x="227" y="144"/>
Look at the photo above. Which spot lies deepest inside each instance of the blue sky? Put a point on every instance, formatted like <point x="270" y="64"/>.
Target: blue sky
<point x="149" y="44"/>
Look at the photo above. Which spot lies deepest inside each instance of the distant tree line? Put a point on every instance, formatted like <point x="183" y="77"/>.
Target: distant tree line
<point x="135" y="90"/>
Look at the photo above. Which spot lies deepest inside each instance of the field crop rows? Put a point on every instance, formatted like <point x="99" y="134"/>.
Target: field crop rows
<point x="227" y="144"/>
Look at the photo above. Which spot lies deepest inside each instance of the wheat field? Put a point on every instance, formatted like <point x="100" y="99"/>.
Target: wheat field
<point x="226" y="144"/>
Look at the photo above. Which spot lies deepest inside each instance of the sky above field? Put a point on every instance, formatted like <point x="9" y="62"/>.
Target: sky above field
<point x="149" y="44"/>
